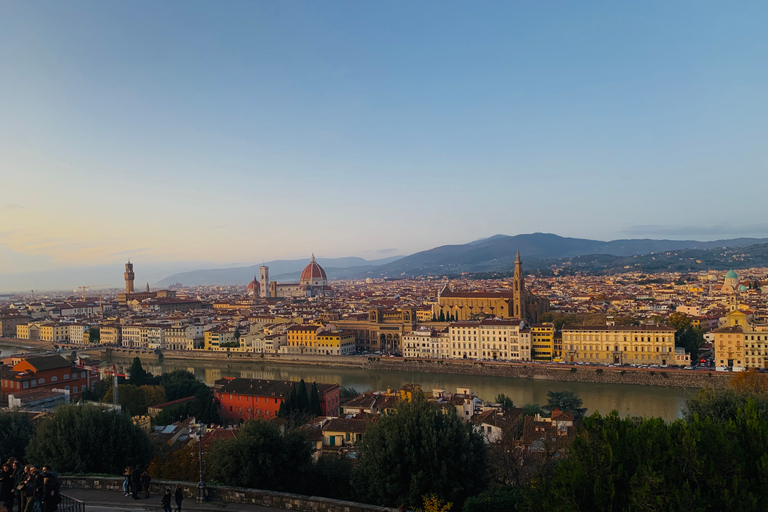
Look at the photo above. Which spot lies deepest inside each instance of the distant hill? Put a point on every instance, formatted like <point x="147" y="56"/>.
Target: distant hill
<point x="497" y="253"/>
<point x="278" y="270"/>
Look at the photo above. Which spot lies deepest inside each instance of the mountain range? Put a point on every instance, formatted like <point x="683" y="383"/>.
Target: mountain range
<point x="497" y="254"/>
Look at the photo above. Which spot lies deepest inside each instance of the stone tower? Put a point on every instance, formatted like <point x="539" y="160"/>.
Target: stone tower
<point x="128" y="277"/>
<point x="518" y="290"/>
<point x="264" y="285"/>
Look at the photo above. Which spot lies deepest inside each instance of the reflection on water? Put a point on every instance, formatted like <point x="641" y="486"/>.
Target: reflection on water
<point x="627" y="399"/>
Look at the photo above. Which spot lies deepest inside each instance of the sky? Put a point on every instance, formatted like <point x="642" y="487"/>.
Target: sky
<point x="196" y="134"/>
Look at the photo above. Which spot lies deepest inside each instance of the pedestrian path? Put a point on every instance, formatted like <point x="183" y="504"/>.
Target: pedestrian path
<point x="108" y="501"/>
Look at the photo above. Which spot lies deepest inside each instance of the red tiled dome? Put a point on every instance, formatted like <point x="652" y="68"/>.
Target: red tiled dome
<point x="313" y="271"/>
<point x="253" y="284"/>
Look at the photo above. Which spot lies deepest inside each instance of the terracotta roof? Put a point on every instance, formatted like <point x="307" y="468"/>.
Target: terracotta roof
<point x="48" y="362"/>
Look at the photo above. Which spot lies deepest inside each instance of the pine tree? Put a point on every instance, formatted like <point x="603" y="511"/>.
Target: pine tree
<point x="441" y="318"/>
<point x="303" y="397"/>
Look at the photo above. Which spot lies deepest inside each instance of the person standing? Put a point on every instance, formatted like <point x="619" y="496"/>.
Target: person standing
<point x="20" y="486"/>
<point x="51" y="497"/>
<point x="166" y="501"/>
<point x="178" y="494"/>
<point x="127" y="483"/>
<point x="145" y="481"/>
<point x="136" y="477"/>
<point x="6" y="487"/>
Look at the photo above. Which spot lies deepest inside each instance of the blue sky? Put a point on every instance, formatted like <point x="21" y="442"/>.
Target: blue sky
<point x="236" y="132"/>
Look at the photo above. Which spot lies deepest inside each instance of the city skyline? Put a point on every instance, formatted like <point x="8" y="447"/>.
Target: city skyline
<point x="191" y="134"/>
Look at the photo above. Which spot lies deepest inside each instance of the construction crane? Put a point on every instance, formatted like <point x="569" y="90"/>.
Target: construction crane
<point x="115" y="376"/>
<point x="85" y="288"/>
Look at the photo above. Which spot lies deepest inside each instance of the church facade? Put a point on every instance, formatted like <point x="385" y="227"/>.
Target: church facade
<point x="518" y="303"/>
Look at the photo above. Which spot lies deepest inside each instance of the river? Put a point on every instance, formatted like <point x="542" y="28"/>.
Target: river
<point x="628" y="400"/>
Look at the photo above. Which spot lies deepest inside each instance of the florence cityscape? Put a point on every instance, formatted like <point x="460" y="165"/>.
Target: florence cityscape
<point x="363" y="257"/>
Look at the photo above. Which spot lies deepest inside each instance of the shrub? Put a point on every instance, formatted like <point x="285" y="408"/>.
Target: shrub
<point x="573" y="370"/>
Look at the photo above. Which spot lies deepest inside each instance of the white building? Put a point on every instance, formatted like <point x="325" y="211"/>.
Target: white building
<point x="488" y="339"/>
<point x="425" y="343"/>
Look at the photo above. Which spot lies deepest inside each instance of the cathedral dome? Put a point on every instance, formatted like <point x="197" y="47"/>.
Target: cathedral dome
<point x="253" y="285"/>
<point x="731" y="275"/>
<point x="313" y="272"/>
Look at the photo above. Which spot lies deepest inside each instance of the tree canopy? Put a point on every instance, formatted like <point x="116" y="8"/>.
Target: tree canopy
<point x="565" y="401"/>
<point x="416" y="451"/>
<point x="261" y="457"/>
<point x="15" y="432"/>
<point x="89" y="439"/>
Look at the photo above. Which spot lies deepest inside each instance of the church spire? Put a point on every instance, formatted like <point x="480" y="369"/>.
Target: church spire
<point x="313" y="258"/>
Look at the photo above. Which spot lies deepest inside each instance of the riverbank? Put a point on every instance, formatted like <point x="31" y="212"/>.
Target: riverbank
<point x="554" y="372"/>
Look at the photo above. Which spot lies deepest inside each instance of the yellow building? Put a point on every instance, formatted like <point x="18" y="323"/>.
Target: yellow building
<point x="53" y="332"/>
<point x="643" y="344"/>
<point x="314" y="339"/>
<point x="542" y="342"/>
<point x="729" y="347"/>
<point x="216" y="338"/>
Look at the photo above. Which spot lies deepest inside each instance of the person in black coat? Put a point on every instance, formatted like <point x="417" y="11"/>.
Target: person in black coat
<point x="6" y="487"/>
<point x="136" y="476"/>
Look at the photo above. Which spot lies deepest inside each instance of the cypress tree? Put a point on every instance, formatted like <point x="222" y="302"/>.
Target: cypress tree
<point x="302" y="397"/>
<point x="314" y="401"/>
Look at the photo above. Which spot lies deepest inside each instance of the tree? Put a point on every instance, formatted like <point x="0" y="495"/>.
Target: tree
<point x="314" y="401"/>
<point x="261" y="458"/>
<point x="89" y="439"/>
<point x="504" y="400"/>
<point x="721" y="405"/>
<point x="15" y="432"/>
<point x="416" y="451"/>
<point x="138" y="376"/>
<point x="441" y="318"/>
<point x="750" y="381"/>
<point x="180" y="384"/>
<point x="566" y="401"/>
<point x="639" y="464"/>
<point x="533" y="410"/>
<point x="131" y="398"/>
<point x="94" y="335"/>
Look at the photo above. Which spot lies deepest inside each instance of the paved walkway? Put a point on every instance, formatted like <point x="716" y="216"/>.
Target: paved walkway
<point x="108" y="501"/>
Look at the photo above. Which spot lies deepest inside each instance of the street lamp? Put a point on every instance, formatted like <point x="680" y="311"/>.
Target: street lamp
<point x="201" y="483"/>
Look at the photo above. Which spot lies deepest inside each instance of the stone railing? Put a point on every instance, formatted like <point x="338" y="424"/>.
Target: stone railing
<point x="280" y="500"/>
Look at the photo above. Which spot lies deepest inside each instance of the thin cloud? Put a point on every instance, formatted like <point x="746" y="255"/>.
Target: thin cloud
<point x="14" y="206"/>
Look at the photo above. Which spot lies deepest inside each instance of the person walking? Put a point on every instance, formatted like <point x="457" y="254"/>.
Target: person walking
<point x="178" y="494"/>
<point x="145" y="481"/>
<point x="35" y="490"/>
<point x="166" y="500"/>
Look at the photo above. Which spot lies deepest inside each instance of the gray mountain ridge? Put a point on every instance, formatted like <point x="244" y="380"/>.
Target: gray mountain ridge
<point x="492" y="254"/>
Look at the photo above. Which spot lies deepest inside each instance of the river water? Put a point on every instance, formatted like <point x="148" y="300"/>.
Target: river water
<point x="628" y="400"/>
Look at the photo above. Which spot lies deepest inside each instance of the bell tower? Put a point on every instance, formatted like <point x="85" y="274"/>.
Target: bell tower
<point x="128" y="277"/>
<point x="518" y="290"/>
<point x="264" y="289"/>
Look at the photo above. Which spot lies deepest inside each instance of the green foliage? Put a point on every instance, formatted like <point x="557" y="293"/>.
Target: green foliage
<point x="15" y="432"/>
<point x="261" y="458"/>
<point x="636" y="464"/>
<point x="721" y="405"/>
<point x="138" y="376"/>
<point x="533" y="410"/>
<point x="331" y="477"/>
<point x="565" y="401"/>
<point x="89" y="439"/>
<point x="573" y="370"/>
<point x="347" y="393"/>
<point x="180" y="384"/>
<point x="94" y="335"/>
<point x="99" y="391"/>
<point x="496" y="499"/>
<point x="599" y="371"/>
<point x="418" y="451"/>
<point x="504" y="400"/>
<point x="299" y="407"/>
<point x="441" y="317"/>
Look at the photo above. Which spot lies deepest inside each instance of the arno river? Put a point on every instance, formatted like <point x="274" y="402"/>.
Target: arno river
<point x="627" y="399"/>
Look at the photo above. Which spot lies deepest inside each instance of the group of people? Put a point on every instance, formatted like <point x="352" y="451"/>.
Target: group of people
<point x="28" y="488"/>
<point x="138" y="480"/>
